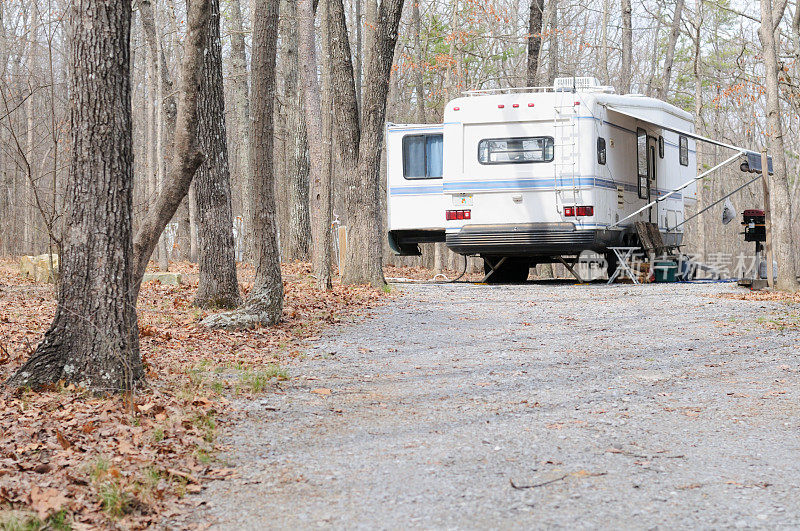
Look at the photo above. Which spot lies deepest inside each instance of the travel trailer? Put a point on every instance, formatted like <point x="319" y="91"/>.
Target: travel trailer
<point x="534" y="175"/>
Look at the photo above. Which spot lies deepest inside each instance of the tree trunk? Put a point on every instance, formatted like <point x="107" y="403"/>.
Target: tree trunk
<point x="264" y="305"/>
<point x="553" y="28"/>
<point x="94" y="339"/>
<point x="186" y="154"/>
<point x="297" y="160"/>
<point x="663" y="89"/>
<point x="419" y="84"/>
<point x="241" y="109"/>
<point x="319" y="189"/>
<point x="359" y="146"/>
<point x="534" y="40"/>
<point x="780" y="198"/>
<point x="627" y="48"/>
<point x="218" y="286"/>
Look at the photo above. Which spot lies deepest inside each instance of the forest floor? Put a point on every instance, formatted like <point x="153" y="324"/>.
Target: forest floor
<point x="538" y="405"/>
<point x="71" y="459"/>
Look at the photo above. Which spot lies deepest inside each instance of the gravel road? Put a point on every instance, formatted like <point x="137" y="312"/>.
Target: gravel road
<point x="610" y="406"/>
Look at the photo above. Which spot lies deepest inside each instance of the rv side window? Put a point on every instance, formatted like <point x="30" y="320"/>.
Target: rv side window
<point x="661" y="147"/>
<point x="683" y="143"/>
<point x="422" y="156"/>
<point x="601" y="150"/>
<point x="518" y="150"/>
<point x="641" y="162"/>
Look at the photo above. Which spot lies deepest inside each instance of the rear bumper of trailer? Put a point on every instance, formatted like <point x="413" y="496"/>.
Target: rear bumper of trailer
<point x="530" y="239"/>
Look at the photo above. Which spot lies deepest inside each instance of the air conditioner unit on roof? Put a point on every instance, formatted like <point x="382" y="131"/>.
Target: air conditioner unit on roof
<point x="578" y="83"/>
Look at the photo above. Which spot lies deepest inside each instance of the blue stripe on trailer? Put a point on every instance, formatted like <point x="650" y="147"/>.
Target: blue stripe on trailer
<point x="415" y="190"/>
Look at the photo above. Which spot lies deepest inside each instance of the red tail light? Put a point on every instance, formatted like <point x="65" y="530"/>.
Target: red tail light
<point x="453" y="215"/>
<point x="569" y="211"/>
<point x="585" y="210"/>
<point x="515" y="105"/>
<point x="500" y="106"/>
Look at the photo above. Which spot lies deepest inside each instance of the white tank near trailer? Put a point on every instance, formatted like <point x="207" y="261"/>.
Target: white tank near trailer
<point x="532" y="175"/>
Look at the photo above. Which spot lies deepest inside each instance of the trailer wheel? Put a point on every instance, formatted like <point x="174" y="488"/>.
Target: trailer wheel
<point x="512" y="270"/>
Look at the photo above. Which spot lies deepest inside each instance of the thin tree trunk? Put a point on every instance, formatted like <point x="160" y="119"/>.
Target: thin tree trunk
<point x="297" y="158"/>
<point x="186" y="156"/>
<point x="241" y="109"/>
<point x="419" y="86"/>
<point x="627" y="48"/>
<point x="553" y="28"/>
<point x="663" y="89"/>
<point x="534" y="40"/>
<point x="218" y="286"/>
<point x="319" y="189"/>
<point x="780" y="198"/>
<point x="264" y="304"/>
<point x="94" y="339"/>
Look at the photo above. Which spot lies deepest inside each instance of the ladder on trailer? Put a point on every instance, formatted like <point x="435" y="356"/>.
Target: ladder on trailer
<point x="566" y="137"/>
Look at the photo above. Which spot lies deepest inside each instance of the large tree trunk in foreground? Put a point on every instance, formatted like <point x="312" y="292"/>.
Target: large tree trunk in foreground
<point x="534" y="40"/>
<point x="186" y="154"/>
<point x="319" y="188"/>
<point x="780" y="197"/>
<point x="264" y="305"/>
<point x="359" y="145"/>
<point x="94" y="339"/>
<point x="218" y="286"/>
<point x="627" y="47"/>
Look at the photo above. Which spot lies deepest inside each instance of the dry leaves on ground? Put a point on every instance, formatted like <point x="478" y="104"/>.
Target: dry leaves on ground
<point x="128" y="461"/>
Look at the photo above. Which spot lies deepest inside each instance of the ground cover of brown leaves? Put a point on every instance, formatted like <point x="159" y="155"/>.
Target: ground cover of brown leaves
<point x="69" y="459"/>
<point x="783" y="320"/>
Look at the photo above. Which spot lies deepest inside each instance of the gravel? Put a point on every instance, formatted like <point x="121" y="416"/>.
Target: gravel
<point x="617" y="406"/>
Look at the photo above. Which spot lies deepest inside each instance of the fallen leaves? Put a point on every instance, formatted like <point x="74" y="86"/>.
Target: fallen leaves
<point x="46" y="501"/>
<point x="321" y="391"/>
<point x="126" y="462"/>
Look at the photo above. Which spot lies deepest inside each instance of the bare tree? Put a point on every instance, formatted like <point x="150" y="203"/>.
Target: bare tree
<point x="264" y="305"/>
<point x="319" y="179"/>
<point x="359" y="142"/>
<point x="627" y="48"/>
<point x="94" y="339"/>
<point x="663" y="88"/>
<point x="187" y="156"/>
<point x="218" y="287"/>
<point x="780" y="197"/>
<point x="534" y="40"/>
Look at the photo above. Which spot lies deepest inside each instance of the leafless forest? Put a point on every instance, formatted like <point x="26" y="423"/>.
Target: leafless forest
<point x="704" y="56"/>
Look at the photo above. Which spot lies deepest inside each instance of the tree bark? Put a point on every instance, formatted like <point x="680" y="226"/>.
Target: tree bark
<point x="218" y="286"/>
<point x="297" y="159"/>
<point x="94" y="339"/>
<point x="359" y="145"/>
<point x="553" y="27"/>
<point x="187" y="156"/>
<point x="663" y="89"/>
<point x="319" y="188"/>
<point x="241" y="109"/>
<point x="627" y="48"/>
<point x="534" y="40"/>
<point x="264" y="305"/>
<point x="419" y="83"/>
<point x="780" y="197"/>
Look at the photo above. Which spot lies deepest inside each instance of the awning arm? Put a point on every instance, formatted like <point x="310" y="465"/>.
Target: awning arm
<point x="681" y="187"/>
<point x="715" y="203"/>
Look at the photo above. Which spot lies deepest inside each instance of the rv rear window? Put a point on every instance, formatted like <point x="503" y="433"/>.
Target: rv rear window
<point x="683" y="143"/>
<point x="519" y="150"/>
<point x="422" y="156"/>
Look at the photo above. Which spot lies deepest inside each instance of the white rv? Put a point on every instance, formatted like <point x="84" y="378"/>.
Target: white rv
<point x="528" y="176"/>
